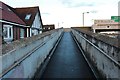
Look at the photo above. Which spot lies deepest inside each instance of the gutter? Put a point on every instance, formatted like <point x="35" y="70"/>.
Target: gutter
<point x="3" y="21"/>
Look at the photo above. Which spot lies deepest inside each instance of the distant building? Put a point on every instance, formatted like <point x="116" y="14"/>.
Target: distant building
<point x="106" y="25"/>
<point x="48" y="27"/>
<point x="88" y="28"/>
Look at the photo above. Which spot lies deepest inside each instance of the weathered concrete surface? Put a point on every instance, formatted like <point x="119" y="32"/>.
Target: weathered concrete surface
<point x="68" y="61"/>
<point x="35" y="48"/>
<point x="99" y="51"/>
<point x="0" y="53"/>
<point x="0" y="45"/>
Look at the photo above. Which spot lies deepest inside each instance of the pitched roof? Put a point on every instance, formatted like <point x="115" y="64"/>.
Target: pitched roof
<point x="9" y="15"/>
<point x="24" y="11"/>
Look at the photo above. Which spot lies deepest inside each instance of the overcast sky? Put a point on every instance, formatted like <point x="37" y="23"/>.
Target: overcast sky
<point x="68" y="13"/>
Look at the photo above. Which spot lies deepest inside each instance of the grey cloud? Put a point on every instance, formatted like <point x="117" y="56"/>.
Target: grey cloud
<point x="83" y="4"/>
<point x="46" y="13"/>
<point x="70" y="3"/>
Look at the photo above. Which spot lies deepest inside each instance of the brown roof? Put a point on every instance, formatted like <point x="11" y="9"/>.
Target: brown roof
<point x="8" y="14"/>
<point x="22" y="12"/>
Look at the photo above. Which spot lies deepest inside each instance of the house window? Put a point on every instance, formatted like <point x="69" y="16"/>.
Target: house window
<point x="27" y="16"/>
<point x="7" y="32"/>
<point x="49" y="28"/>
<point x="34" y="32"/>
<point x="21" y="33"/>
<point x="1" y="8"/>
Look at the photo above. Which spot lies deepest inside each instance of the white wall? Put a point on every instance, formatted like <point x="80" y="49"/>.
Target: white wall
<point x="36" y="24"/>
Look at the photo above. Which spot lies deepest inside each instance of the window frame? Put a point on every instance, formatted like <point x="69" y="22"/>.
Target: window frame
<point x="9" y="31"/>
<point x="27" y="17"/>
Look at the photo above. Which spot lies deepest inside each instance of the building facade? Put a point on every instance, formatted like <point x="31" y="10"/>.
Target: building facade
<point x="31" y="16"/>
<point x="13" y="27"/>
<point x="17" y="23"/>
<point x="106" y="25"/>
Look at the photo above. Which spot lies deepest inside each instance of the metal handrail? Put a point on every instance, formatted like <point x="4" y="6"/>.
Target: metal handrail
<point x="83" y="53"/>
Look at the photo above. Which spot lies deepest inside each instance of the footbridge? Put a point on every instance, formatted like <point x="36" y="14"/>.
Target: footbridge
<point x="62" y="53"/>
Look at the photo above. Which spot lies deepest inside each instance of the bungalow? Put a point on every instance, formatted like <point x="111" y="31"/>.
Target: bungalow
<point x="17" y="23"/>
<point x="13" y="27"/>
<point x="31" y="16"/>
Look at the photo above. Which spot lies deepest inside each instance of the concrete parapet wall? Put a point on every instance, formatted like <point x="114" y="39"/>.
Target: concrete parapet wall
<point x="102" y="52"/>
<point x="21" y="59"/>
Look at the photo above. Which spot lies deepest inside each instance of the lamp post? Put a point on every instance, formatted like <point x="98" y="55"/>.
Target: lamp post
<point x="83" y="17"/>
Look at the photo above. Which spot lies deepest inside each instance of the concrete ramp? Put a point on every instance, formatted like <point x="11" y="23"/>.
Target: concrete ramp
<point x="67" y="61"/>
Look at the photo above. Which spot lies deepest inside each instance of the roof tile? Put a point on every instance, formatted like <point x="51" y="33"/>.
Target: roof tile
<point x="22" y="12"/>
<point x="9" y="15"/>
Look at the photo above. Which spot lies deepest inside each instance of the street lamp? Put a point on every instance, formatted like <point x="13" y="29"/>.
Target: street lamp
<point x="83" y="17"/>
